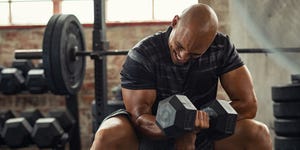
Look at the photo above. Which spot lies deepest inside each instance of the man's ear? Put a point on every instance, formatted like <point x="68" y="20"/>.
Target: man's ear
<point x="175" y="21"/>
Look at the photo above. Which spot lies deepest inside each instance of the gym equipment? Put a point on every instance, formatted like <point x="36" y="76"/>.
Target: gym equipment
<point x="295" y="78"/>
<point x="4" y="115"/>
<point x="286" y="143"/>
<point x="23" y="65"/>
<point x="286" y="93"/>
<point x="176" y="116"/>
<point x="54" y="131"/>
<point x="63" y="54"/>
<point x="17" y="131"/>
<point x="12" y="81"/>
<point x="36" y="82"/>
<point x="287" y="127"/>
<point x="286" y="110"/>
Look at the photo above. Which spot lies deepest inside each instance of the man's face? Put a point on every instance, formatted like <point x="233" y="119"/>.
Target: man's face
<point x="185" y="45"/>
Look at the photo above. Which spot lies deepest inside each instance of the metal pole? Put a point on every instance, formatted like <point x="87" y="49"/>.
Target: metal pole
<point x="100" y="44"/>
<point x="72" y="106"/>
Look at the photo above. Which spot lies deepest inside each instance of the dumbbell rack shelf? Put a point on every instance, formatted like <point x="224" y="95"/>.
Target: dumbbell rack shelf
<point x="71" y="104"/>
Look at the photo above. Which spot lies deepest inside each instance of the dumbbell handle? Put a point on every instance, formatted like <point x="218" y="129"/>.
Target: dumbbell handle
<point x="29" y="54"/>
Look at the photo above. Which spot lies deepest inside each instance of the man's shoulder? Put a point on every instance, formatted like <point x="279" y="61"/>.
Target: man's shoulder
<point x="151" y="47"/>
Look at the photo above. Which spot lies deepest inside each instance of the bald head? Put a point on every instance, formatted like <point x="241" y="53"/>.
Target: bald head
<point x="193" y="32"/>
<point x="200" y="17"/>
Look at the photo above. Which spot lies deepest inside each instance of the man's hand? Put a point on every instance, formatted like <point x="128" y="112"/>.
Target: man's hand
<point x="186" y="141"/>
<point x="201" y="121"/>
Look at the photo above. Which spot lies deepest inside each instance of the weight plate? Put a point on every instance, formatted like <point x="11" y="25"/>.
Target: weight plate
<point x="287" y="143"/>
<point x="67" y="70"/>
<point x="287" y="127"/>
<point x="286" y="93"/>
<point x="47" y="46"/>
<point x="286" y="110"/>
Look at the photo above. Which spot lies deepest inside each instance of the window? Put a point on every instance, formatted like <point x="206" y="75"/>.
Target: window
<point x="24" y="12"/>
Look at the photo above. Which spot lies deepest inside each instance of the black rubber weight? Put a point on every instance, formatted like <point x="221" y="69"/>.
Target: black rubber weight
<point x="287" y="127"/>
<point x="287" y="143"/>
<point x="286" y="93"/>
<point x="286" y="110"/>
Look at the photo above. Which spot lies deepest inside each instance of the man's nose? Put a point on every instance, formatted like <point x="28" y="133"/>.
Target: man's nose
<point x="183" y="56"/>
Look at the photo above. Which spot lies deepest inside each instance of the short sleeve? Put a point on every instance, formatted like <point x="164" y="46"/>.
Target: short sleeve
<point x="230" y="59"/>
<point x="137" y="72"/>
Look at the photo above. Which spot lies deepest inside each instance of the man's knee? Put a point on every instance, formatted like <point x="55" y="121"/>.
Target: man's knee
<point x="254" y="129"/>
<point x="116" y="132"/>
<point x="256" y="132"/>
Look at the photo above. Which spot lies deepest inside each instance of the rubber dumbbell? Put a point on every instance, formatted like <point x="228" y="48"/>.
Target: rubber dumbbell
<point x="24" y="65"/>
<point x="12" y="81"/>
<point x="176" y="116"/>
<point x="53" y="131"/>
<point x="36" y="82"/>
<point x="16" y="132"/>
<point x="4" y="115"/>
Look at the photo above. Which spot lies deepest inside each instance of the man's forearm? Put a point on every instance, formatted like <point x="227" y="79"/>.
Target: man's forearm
<point x="147" y="126"/>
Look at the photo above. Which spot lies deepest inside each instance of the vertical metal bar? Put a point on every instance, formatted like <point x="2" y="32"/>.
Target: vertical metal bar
<point x="100" y="44"/>
<point x="72" y="106"/>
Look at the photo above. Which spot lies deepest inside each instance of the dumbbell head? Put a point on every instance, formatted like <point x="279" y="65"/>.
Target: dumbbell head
<point x="31" y="115"/>
<point x="36" y="82"/>
<point x="12" y="81"/>
<point x="176" y="115"/>
<point x="222" y="119"/>
<point x="16" y="132"/>
<point x="47" y="133"/>
<point x="64" y="118"/>
<point x="23" y="64"/>
<point x="4" y="115"/>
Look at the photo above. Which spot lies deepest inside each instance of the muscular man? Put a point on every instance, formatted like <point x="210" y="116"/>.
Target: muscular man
<point x="188" y="58"/>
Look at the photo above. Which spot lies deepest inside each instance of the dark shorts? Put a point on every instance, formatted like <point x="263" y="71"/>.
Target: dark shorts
<point x="203" y="141"/>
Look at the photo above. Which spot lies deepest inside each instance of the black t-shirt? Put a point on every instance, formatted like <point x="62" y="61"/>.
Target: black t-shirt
<point x="149" y="66"/>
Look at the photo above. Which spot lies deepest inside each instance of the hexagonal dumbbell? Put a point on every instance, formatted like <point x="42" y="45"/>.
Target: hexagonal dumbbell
<point x="4" y="115"/>
<point x="12" y="81"/>
<point x="36" y="82"/>
<point x="24" y="65"/>
<point x="176" y="115"/>
<point x="16" y="132"/>
<point x="53" y="132"/>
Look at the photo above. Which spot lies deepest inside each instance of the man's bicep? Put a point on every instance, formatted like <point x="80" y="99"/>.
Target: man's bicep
<point x="238" y="84"/>
<point x="138" y="102"/>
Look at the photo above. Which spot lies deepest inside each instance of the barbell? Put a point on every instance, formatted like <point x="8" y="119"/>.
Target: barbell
<point x="63" y="54"/>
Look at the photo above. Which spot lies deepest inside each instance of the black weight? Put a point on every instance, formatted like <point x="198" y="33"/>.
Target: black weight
<point x="23" y="65"/>
<point x="12" y="81"/>
<point x="287" y="127"/>
<point x="176" y="115"/>
<point x="16" y="132"/>
<point x="290" y="92"/>
<point x="47" y="133"/>
<point x="295" y="78"/>
<point x="36" y="82"/>
<point x="222" y="119"/>
<point x="287" y="143"/>
<point x="286" y="110"/>
<point x="47" y="48"/>
<point x="4" y="115"/>
<point x="66" y="70"/>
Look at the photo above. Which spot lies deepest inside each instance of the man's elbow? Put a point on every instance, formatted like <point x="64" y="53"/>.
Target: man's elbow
<point x="252" y="108"/>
